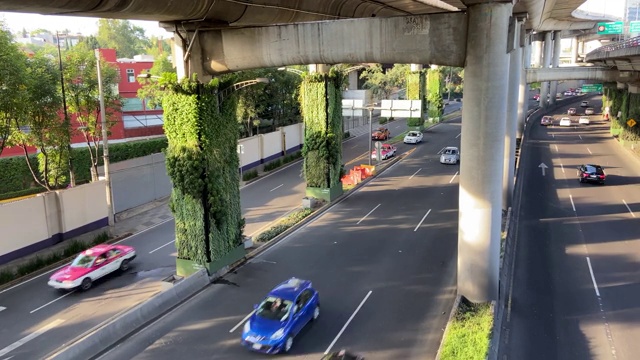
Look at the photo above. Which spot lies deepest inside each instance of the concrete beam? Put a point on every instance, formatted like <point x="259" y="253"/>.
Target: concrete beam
<point x="579" y="73"/>
<point x="621" y="85"/>
<point x="424" y="39"/>
<point x="634" y="89"/>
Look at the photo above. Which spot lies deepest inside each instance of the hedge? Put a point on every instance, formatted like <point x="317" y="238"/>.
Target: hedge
<point x="16" y="179"/>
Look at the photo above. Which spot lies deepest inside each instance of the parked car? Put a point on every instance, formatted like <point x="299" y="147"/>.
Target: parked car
<point x="589" y="111"/>
<point x="413" y="137"/>
<point x="591" y="173"/>
<point x="584" y="104"/>
<point x="571" y="111"/>
<point x="92" y="264"/>
<point x="381" y="133"/>
<point x="565" y="121"/>
<point x="583" y="120"/>
<point x="342" y="355"/>
<point x="450" y="155"/>
<point x="546" y="120"/>
<point x="386" y="151"/>
<point x="283" y="313"/>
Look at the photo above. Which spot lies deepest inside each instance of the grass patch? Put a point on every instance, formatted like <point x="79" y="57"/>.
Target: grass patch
<point x="73" y="248"/>
<point x="249" y="175"/>
<point x="283" y="225"/>
<point x="451" y="115"/>
<point x="469" y="333"/>
<point x="282" y="161"/>
<point x="398" y="138"/>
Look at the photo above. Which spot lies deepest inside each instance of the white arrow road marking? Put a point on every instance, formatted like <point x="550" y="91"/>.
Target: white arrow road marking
<point x="543" y="166"/>
<point x="30" y="337"/>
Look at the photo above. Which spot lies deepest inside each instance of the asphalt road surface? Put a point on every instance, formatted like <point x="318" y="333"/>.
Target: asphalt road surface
<point x="390" y="246"/>
<point x="575" y="286"/>
<point x="36" y="319"/>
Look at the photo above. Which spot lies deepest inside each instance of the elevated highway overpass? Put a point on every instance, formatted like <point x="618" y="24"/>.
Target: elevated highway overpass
<point x="219" y="36"/>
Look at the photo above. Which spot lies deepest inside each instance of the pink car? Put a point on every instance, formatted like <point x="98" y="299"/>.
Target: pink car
<point x="386" y="151"/>
<point x="91" y="265"/>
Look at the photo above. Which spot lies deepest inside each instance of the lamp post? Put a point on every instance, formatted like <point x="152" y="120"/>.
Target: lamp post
<point x="295" y="71"/>
<point x="369" y="107"/>
<point x="105" y="141"/>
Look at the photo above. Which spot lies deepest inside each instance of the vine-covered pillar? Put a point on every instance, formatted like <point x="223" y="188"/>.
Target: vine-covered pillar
<point x="321" y="106"/>
<point x="202" y="163"/>
<point x="416" y="90"/>
<point x="434" y="92"/>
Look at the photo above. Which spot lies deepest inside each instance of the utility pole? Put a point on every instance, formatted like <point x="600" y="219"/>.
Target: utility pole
<point x="67" y="120"/>
<point x="105" y="140"/>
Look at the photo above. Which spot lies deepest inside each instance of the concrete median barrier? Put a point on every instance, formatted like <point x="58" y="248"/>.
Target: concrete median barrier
<point x="109" y="333"/>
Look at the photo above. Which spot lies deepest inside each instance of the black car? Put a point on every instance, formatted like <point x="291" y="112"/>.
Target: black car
<point x="342" y="355"/>
<point x="591" y="173"/>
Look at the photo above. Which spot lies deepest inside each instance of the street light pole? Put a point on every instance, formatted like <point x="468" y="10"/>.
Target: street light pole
<point x="105" y="140"/>
<point x="370" y="132"/>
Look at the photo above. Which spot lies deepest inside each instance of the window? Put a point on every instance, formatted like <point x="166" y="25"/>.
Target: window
<point x="132" y="104"/>
<point x="131" y="75"/>
<point x="273" y="308"/>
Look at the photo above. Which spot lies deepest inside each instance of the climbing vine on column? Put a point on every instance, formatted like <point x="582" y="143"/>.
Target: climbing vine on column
<point x="434" y="93"/>
<point x="202" y="163"/>
<point x="321" y="105"/>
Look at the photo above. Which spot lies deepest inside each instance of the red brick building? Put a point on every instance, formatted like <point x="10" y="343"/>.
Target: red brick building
<point x="135" y="120"/>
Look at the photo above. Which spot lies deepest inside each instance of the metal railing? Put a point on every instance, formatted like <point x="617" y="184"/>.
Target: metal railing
<point x="629" y="43"/>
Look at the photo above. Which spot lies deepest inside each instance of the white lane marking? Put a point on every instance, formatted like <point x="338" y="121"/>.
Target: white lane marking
<point x="414" y="174"/>
<point x="580" y="137"/>
<point x="58" y="268"/>
<point x="556" y="147"/>
<point x="241" y="322"/>
<point x="277" y="187"/>
<point x="369" y="213"/>
<point x="625" y="204"/>
<point x="10" y="357"/>
<point x="589" y="150"/>
<point x="424" y="217"/>
<point x="347" y="323"/>
<point x="458" y="135"/>
<point x="562" y="167"/>
<point x="158" y="248"/>
<point x="52" y="301"/>
<point x="2" y="308"/>
<point x="593" y="278"/>
<point x="440" y="151"/>
<point x="454" y="176"/>
<point x="355" y="146"/>
<point x="553" y="135"/>
<point x="30" y="337"/>
<point x="271" y="173"/>
<point x="572" y="204"/>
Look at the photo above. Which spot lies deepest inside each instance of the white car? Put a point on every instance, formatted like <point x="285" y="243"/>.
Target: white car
<point x="413" y="137"/>
<point x="589" y="111"/>
<point x="565" y="121"/>
<point x="450" y="155"/>
<point x="584" y="104"/>
<point x="583" y="120"/>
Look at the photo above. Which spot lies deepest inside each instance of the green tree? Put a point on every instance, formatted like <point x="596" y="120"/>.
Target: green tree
<point x="382" y="84"/>
<point x="91" y="42"/>
<point x="41" y="125"/>
<point x="153" y="88"/>
<point x="81" y="87"/>
<point x="12" y="85"/>
<point x="128" y="40"/>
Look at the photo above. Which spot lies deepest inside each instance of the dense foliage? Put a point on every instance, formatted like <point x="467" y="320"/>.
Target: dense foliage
<point x="321" y="103"/>
<point x="434" y="93"/>
<point x="202" y="163"/>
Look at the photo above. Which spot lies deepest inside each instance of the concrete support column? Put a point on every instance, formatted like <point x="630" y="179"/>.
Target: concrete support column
<point x="353" y="80"/>
<point x="515" y="71"/>
<point x="415" y="67"/>
<point x="546" y="63"/>
<point x="537" y="54"/>
<point x="555" y="62"/>
<point x="482" y="145"/>
<point x="187" y="57"/>
<point x="574" y="51"/>
<point x="523" y="91"/>
<point x="319" y="68"/>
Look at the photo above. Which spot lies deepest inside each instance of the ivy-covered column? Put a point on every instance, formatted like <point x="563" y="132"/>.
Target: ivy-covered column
<point x="416" y="90"/>
<point x="202" y="163"/>
<point x="434" y="93"/>
<point x="321" y="106"/>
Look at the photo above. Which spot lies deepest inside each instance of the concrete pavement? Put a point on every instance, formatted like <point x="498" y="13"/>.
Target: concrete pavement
<point x="393" y="243"/>
<point x="578" y="248"/>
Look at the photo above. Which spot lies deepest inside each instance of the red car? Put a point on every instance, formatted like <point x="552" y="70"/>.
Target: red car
<point x="386" y="151"/>
<point x="546" y="120"/>
<point x="91" y="265"/>
<point x="381" y="134"/>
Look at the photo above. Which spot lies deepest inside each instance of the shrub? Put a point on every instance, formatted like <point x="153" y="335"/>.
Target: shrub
<point x="292" y="157"/>
<point x="6" y="276"/>
<point x="248" y="175"/>
<point x="283" y="225"/>
<point x="414" y="122"/>
<point x="383" y="120"/>
<point x="346" y="135"/>
<point x="273" y="165"/>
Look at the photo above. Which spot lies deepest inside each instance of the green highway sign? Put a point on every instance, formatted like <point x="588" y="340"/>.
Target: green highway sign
<point x="634" y="27"/>
<point x="610" y="28"/>
<point x="591" y="88"/>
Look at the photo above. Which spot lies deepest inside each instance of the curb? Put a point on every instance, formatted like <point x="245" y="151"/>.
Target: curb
<point x="48" y="268"/>
<point x="103" y="336"/>
<point x="452" y="314"/>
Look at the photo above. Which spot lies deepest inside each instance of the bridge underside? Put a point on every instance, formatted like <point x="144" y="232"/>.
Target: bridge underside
<point x="581" y="73"/>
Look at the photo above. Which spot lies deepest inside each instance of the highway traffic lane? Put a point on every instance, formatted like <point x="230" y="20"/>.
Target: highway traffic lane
<point x="304" y="255"/>
<point x="34" y="305"/>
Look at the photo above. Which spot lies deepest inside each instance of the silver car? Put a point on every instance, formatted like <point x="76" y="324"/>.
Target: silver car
<point x="450" y="155"/>
<point x="413" y="137"/>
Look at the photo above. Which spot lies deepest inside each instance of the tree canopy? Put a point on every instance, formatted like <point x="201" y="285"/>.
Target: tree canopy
<point x="128" y="39"/>
<point x="383" y="83"/>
